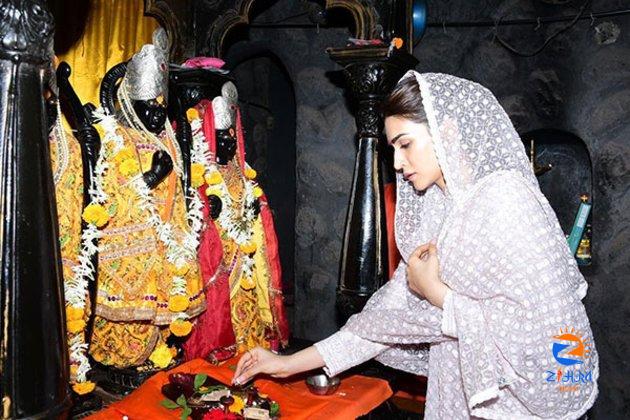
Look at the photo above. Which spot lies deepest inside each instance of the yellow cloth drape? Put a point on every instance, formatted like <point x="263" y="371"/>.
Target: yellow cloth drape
<point x="115" y="30"/>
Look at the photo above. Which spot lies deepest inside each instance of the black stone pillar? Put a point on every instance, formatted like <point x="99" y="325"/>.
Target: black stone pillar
<point x="371" y="73"/>
<point x="34" y="367"/>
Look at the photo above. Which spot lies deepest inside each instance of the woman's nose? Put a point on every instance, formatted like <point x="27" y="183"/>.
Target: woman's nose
<point x="398" y="164"/>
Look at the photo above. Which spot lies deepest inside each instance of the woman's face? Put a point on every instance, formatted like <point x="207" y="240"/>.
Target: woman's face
<point x="414" y="156"/>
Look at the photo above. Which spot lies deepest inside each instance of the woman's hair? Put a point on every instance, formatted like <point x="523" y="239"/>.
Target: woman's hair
<point x="405" y="101"/>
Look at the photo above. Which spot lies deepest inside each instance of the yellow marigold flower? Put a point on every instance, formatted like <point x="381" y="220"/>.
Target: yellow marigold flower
<point x="247" y="283"/>
<point x="192" y="114"/>
<point x="129" y="167"/>
<point x="258" y="192"/>
<point x="250" y="173"/>
<point x="179" y="271"/>
<point x="76" y="326"/>
<point x="74" y="369"/>
<point x="124" y="154"/>
<point x="248" y="248"/>
<point x="214" y="191"/>
<point x="73" y="313"/>
<point x="95" y="214"/>
<point x="214" y="178"/>
<point x="180" y="327"/>
<point x="238" y="405"/>
<point x="82" y="388"/>
<point x="178" y="303"/>
<point x="161" y="356"/>
<point x="196" y="175"/>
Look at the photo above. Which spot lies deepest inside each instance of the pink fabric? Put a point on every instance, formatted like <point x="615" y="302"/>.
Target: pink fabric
<point x="204" y="62"/>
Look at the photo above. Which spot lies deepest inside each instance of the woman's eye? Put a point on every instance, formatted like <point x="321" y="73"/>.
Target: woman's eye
<point x="404" y="145"/>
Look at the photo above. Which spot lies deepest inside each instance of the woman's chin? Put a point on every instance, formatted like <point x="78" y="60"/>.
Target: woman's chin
<point x="420" y="186"/>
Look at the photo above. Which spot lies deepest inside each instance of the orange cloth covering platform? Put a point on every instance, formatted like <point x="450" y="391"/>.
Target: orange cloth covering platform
<point x="357" y="395"/>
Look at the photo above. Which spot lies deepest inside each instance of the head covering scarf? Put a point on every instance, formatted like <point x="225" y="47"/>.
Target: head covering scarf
<point x="515" y="287"/>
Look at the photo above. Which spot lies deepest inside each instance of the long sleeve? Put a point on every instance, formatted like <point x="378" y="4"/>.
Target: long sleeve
<point x="394" y="315"/>
<point x="343" y="350"/>
<point x="392" y="328"/>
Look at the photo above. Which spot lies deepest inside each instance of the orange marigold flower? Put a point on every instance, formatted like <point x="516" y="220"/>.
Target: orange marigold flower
<point x="248" y="248"/>
<point x="192" y="114"/>
<point x="178" y="303"/>
<point x="73" y="313"/>
<point x="173" y="351"/>
<point x="250" y="173"/>
<point x="398" y="43"/>
<point x="180" y="327"/>
<point x="83" y="388"/>
<point x="75" y="327"/>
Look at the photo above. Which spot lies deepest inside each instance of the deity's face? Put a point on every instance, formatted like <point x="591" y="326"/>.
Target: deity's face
<point x="414" y="155"/>
<point x="226" y="146"/>
<point x="152" y="114"/>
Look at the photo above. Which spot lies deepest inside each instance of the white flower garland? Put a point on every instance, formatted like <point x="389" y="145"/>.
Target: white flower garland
<point x="240" y="230"/>
<point x="76" y="288"/>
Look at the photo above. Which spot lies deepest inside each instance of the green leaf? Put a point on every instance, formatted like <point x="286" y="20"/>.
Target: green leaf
<point x="274" y="409"/>
<point x="170" y="404"/>
<point x="63" y="240"/>
<point x="187" y="412"/>
<point x="181" y="401"/>
<point x="111" y="210"/>
<point x="200" y="378"/>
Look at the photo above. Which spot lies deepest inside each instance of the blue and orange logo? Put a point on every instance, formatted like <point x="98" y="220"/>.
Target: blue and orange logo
<point x="579" y="348"/>
<point x="570" y="350"/>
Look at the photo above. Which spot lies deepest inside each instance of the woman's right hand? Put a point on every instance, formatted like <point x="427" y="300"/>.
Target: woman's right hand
<point x="259" y="360"/>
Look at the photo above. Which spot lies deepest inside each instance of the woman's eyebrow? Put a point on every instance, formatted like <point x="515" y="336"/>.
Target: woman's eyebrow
<point x="397" y="137"/>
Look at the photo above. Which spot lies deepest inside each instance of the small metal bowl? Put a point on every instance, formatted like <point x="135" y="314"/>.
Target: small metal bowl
<point x="322" y="384"/>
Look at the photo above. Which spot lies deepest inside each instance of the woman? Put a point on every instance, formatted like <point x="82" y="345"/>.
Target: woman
<point x="495" y="298"/>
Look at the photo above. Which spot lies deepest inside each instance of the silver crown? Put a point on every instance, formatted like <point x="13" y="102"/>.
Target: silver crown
<point x="147" y="72"/>
<point x="230" y="94"/>
<point x="223" y="115"/>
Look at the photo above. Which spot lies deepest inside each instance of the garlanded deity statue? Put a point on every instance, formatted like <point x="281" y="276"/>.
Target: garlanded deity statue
<point x="149" y="287"/>
<point x="238" y="253"/>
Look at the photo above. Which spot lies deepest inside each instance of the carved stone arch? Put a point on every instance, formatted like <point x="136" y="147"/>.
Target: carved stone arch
<point x="362" y="11"/>
<point x="175" y="16"/>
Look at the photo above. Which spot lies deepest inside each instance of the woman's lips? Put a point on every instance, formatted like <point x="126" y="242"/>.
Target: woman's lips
<point x="409" y="177"/>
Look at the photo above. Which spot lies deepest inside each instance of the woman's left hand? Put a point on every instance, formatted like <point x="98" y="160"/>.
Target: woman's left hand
<point x="423" y="274"/>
